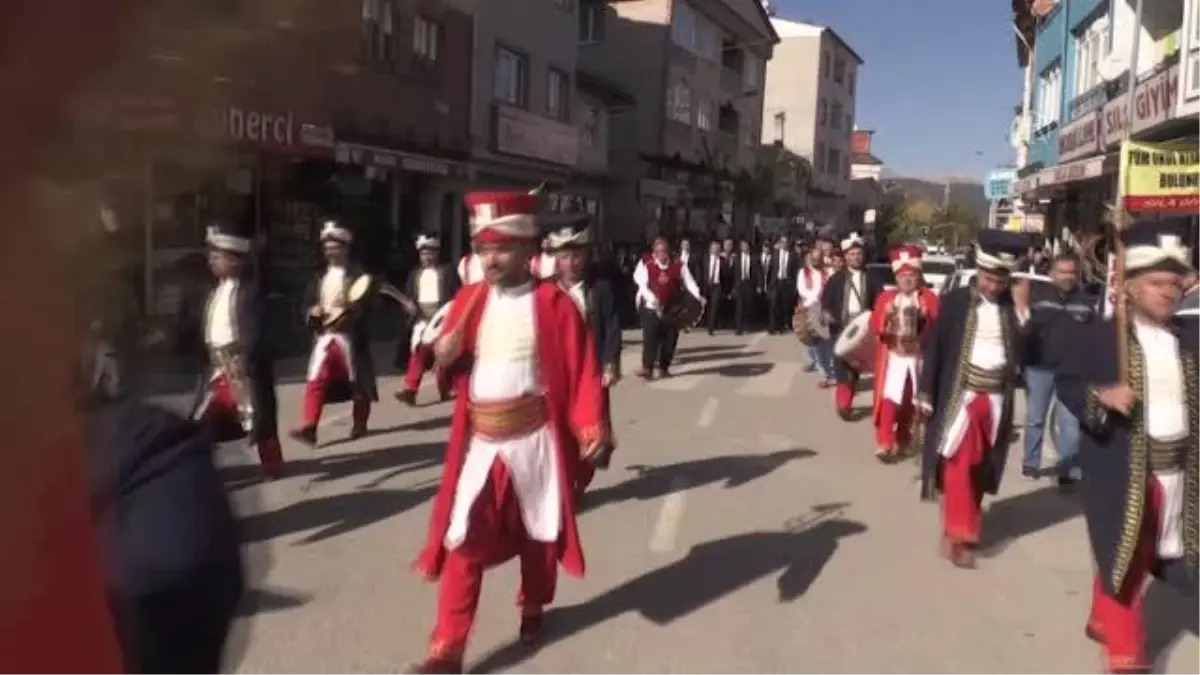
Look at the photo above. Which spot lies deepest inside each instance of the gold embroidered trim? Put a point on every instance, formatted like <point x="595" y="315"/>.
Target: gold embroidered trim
<point x="502" y="420"/>
<point x="1191" y="470"/>
<point x="1139" y="464"/>
<point x="1094" y="414"/>
<point x="954" y="400"/>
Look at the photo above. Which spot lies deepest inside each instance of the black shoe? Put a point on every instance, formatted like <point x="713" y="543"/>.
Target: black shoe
<point x="1031" y="472"/>
<point x="1066" y="482"/>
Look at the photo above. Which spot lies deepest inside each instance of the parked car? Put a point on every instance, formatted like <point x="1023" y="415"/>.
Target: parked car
<point x="937" y="269"/>
<point x="965" y="277"/>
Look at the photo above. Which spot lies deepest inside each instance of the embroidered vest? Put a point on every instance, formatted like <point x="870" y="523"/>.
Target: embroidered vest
<point x="663" y="283"/>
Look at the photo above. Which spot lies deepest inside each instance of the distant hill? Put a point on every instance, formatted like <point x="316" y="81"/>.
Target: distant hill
<point x="964" y="193"/>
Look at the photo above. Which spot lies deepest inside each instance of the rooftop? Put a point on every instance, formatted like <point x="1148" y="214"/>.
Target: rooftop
<point x="786" y="28"/>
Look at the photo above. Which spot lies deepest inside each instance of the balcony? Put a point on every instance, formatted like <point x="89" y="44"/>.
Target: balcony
<point x="731" y="81"/>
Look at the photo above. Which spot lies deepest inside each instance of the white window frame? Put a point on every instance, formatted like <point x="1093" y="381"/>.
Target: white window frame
<point x="426" y="38"/>
<point x="704" y="117"/>
<point x="780" y="120"/>
<point x="750" y="72"/>
<point x="1090" y="47"/>
<point x="1050" y="86"/>
<point x="558" y="94"/>
<point x="591" y="23"/>
<point x="510" y="77"/>
<point x="679" y="103"/>
<point x="683" y="25"/>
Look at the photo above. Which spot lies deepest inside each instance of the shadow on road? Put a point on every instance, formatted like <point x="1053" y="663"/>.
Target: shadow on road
<point x="1011" y="518"/>
<point x="399" y="459"/>
<point x="265" y="600"/>
<point x="1169" y="614"/>
<point x="733" y="370"/>
<point x="333" y="515"/>
<point x="731" y="353"/>
<point x="430" y="424"/>
<point x="694" y="350"/>
<point x="652" y="482"/>
<point x="710" y="571"/>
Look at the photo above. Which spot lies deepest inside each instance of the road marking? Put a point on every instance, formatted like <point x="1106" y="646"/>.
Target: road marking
<point x="683" y="382"/>
<point x="753" y="342"/>
<point x="775" y="382"/>
<point x="708" y="413"/>
<point x="670" y="516"/>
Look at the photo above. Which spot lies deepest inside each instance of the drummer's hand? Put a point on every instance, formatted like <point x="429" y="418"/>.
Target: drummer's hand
<point x="609" y="379"/>
<point x="447" y="348"/>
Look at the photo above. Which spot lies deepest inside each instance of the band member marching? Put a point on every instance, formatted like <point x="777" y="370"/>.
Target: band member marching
<point x="970" y="364"/>
<point x="236" y="393"/>
<point x="529" y="402"/>
<point x="810" y="282"/>
<point x="901" y="318"/>
<point x="578" y="277"/>
<point x="847" y="293"/>
<point x="1138" y="443"/>
<point x="340" y="368"/>
<point x="430" y="286"/>
<point x="659" y="279"/>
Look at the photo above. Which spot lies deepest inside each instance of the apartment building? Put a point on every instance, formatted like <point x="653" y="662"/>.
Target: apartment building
<point x="695" y="68"/>
<point x="809" y="108"/>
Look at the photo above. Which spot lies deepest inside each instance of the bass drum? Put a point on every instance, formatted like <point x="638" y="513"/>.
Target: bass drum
<point x="809" y="325"/>
<point x="856" y="344"/>
<point x="683" y="312"/>
<point x="427" y="332"/>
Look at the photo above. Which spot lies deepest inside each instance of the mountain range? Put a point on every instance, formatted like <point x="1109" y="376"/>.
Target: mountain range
<point x="967" y="194"/>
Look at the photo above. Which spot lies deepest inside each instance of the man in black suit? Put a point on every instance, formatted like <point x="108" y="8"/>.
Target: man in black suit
<point x="746" y="278"/>
<point x="716" y="283"/>
<point x="578" y="278"/>
<point x="781" y="286"/>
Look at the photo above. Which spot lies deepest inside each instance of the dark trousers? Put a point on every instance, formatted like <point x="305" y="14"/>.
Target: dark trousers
<point x="182" y="629"/>
<point x="743" y="304"/>
<point x="658" y="341"/>
<point x="779" y="312"/>
<point x="714" y="297"/>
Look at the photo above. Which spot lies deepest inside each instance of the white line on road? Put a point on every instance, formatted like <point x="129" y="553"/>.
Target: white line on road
<point x="708" y="413"/>
<point x="666" y="528"/>
<point x="677" y="382"/>
<point x="774" y="382"/>
<point x="753" y="342"/>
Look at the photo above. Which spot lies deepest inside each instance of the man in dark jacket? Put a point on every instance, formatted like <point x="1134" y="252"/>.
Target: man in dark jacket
<point x="168" y="534"/>
<point x="1055" y="308"/>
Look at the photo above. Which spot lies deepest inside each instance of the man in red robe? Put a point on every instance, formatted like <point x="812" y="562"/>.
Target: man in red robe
<point x="900" y="319"/>
<point x="529" y="401"/>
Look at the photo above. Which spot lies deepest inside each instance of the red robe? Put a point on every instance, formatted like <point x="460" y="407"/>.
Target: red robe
<point x="929" y="308"/>
<point x="571" y="378"/>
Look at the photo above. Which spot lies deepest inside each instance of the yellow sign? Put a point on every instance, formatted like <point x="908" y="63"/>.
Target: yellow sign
<point x="1030" y="222"/>
<point x="1160" y="177"/>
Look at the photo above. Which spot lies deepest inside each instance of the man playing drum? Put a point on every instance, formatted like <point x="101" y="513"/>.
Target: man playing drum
<point x="430" y="286"/>
<point x="809" y="284"/>
<point x="901" y="318"/>
<point x="848" y="293"/>
<point x="659" y="280"/>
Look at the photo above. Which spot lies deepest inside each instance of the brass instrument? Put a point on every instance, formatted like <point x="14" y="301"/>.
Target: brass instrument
<point x="228" y="361"/>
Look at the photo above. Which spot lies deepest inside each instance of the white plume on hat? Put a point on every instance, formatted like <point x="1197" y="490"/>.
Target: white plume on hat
<point x="330" y="230"/>
<point x="221" y="241"/>
<point x="427" y="241"/>
<point x="851" y="241"/>
<point x="567" y="236"/>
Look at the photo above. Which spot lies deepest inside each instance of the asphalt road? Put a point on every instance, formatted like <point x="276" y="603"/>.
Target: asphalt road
<point x="742" y="528"/>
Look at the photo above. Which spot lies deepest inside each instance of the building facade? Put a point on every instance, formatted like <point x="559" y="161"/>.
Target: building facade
<point x="695" y="69"/>
<point x="809" y="107"/>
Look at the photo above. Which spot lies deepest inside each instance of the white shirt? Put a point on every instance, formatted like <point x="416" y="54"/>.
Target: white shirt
<point x="219" y="331"/>
<point x="854" y="302"/>
<point x="783" y="263"/>
<point x="988" y="351"/>
<point x="809" y="289"/>
<point x="577" y="294"/>
<point x="1166" y="407"/>
<point x="505" y="355"/>
<point x="744" y="264"/>
<point x="641" y="277"/>
<point x="547" y="266"/>
<point x="684" y="257"/>
<point x="429" y="291"/>
<point x="714" y="269"/>
<point x="333" y="288"/>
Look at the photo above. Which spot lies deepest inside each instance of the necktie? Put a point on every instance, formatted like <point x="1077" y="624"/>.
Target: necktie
<point x="782" y="263"/>
<point x="712" y="263"/>
<point x="745" y="268"/>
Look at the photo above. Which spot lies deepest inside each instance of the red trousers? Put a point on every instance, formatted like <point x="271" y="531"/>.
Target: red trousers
<point x="334" y="369"/>
<point x="417" y="361"/>
<point x="895" y="425"/>
<point x="843" y="395"/>
<point x="496" y="535"/>
<point x="962" y="498"/>
<point x="1118" y="619"/>
<point x="222" y="403"/>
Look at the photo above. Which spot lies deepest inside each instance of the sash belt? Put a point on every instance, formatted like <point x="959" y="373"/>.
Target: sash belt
<point x="1167" y="455"/>
<point x="505" y="420"/>
<point x="985" y="381"/>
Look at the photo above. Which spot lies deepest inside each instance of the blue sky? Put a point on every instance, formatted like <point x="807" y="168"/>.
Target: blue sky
<point x="939" y="81"/>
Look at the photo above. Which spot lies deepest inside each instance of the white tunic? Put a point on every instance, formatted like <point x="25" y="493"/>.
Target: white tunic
<point x="854" y="297"/>
<point x="1165" y="408"/>
<point x="641" y="278"/>
<point x="470" y="269"/>
<point x="547" y="266"/>
<point x="506" y="368"/>
<point x="332" y="296"/>
<point x="988" y="354"/>
<point x="901" y="369"/>
<point x="219" y="331"/>
<point x="809" y="283"/>
<point x="579" y="296"/>
<point x="429" y="289"/>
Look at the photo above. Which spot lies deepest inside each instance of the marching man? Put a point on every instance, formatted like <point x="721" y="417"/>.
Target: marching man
<point x="659" y="279"/>
<point x="430" y="286"/>
<point x="970" y="366"/>
<point x="529" y="403"/>
<point x="809" y="284"/>
<point x="848" y="292"/>
<point x="900" y="320"/>
<point x="1138" y="443"/>
<point x="598" y="305"/>
<point x="340" y="368"/>
<point x="236" y="393"/>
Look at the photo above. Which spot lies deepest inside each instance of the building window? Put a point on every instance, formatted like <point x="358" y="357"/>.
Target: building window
<point x="558" y="94"/>
<point x="834" y="165"/>
<point x="835" y="117"/>
<point x="839" y="70"/>
<point x="822" y="113"/>
<point x="589" y="133"/>
<point x="378" y="30"/>
<point x="426" y="38"/>
<point x="751" y="67"/>
<point x="703" y="114"/>
<point x="1090" y="48"/>
<point x="708" y="41"/>
<point x="819" y="157"/>
<point x="683" y="25"/>
<point x="850" y="80"/>
<point x="846" y="167"/>
<point x="780" y="124"/>
<point x="849" y="122"/>
<point x="679" y="103"/>
<point x="1049" y="105"/>
<point x="826" y="65"/>
<point x="511" y="77"/>
<point x="591" y="23"/>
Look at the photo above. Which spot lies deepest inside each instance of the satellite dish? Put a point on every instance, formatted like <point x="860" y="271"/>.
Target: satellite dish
<point x="1111" y="67"/>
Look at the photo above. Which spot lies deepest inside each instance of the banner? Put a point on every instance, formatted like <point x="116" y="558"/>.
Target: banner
<point x="1160" y="177"/>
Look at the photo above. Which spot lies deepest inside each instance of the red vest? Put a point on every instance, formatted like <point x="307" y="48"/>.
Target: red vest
<point x="664" y="284"/>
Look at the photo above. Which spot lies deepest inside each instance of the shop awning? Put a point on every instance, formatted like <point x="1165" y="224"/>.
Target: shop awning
<point x="1065" y="174"/>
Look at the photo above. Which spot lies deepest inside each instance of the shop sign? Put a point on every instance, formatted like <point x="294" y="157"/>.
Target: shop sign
<point x="274" y="130"/>
<point x="365" y="155"/>
<point x="999" y="183"/>
<point x="1080" y="138"/>
<point x="525" y="134"/>
<point x="1026" y="184"/>
<point x="1075" y="171"/>
<point x="1160" y="177"/>
<point x="649" y="188"/>
<point x="1153" y="103"/>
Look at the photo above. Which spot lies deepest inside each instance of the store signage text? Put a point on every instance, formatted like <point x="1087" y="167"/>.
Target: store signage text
<point x="1080" y="138"/>
<point x="1153" y="103"/>
<point x="260" y="127"/>
<point x="525" y="134"/>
